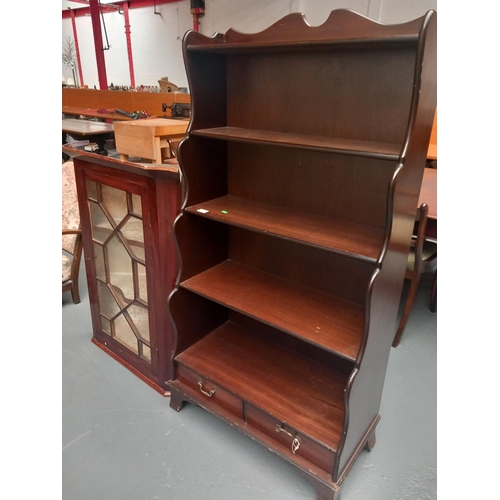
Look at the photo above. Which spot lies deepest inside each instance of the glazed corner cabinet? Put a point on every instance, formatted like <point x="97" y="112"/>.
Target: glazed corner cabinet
<point x="302" y="168"/>
<point x="127" y="212"/>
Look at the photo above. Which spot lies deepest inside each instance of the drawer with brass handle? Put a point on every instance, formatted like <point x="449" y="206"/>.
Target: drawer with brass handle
<point x="298" y="444"/>
<point x="210" y="391"/>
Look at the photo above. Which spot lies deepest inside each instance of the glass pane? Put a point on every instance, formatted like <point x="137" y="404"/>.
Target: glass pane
<point x="99" y="262"/>
<point x="139" y="316"/>
<point x="91" y="190"/>
<point x="105" y="325"/>
<point x="124" y="334"/>
<point x="133" y="232"/>
<point x="107" y="302"/>
<point x="101" y="227"/>
<point x="146" y="352"/>
<point x="120" y="267"/>
<point x="136" y="205"/>
<point x="115" y="202"/>
<point x="142" y="284"/>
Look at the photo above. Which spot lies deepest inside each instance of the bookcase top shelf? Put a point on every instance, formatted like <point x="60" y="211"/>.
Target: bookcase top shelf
<point x="343" y="28"/>
<point x="367" y="149"/>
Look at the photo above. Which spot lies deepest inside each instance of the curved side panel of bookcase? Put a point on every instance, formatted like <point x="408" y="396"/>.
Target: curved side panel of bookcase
<point x="384" y="295"/>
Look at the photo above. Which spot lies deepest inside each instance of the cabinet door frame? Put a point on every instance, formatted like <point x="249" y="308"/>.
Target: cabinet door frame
<point x="140" y="186"/>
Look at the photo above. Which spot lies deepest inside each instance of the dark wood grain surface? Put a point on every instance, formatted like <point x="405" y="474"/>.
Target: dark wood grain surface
<point x="305" y="154"/>
<point x="336" y="235"/>
<point x="314" y="316"/>
<point x="304" y="394"/>
<point x="371" y="149"/>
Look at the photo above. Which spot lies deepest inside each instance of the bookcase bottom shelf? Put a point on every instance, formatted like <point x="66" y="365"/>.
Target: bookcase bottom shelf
<point x="296" y="402"/>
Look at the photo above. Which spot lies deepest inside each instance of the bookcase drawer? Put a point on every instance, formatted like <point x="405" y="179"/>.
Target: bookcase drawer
<point x="298" y="444"/>
<point x="211" y="391"/>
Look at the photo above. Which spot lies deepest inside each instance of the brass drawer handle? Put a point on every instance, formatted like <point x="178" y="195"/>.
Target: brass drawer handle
<point x="296" y="439"/>
<point x="209" y="394"/>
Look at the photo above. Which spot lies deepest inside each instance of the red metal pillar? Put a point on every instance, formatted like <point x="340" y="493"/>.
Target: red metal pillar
<point x="129" y="45"/>
<point x="99" y="50"/>
<point x="197" y="10"/>
<point x="77" y="49"/>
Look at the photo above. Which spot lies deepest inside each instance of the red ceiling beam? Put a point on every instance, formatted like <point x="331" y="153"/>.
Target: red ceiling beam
<point x="132" y="4"/>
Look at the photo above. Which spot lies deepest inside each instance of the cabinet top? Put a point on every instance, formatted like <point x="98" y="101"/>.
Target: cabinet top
<point x="343" y="27"/>
<point x="146" y="169"/>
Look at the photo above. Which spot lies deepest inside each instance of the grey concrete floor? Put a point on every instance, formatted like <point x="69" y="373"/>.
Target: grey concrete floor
<point x="122" y="441"/>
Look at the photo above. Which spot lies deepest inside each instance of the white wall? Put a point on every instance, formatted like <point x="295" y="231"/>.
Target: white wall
<point x="399" y="11"/>
<point x="156" y="39"/>
<point x="156" y="45"/>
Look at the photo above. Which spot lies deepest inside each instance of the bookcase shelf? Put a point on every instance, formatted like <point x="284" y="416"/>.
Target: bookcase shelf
<point x="368" y="149"/>
<point x="295" y="228"/>
<point x="245" y="363"/>
<point x="364" y="243"/>
<point x="314" y="316"/>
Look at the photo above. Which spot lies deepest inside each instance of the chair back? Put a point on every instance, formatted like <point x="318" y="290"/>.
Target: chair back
<point x="70" y="211"/>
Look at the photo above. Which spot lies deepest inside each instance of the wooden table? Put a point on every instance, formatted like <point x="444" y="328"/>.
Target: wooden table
<point x="428" y="194"/>
<point x="97" y="132"/>
<point x="148" y="138"/>
<point x="432" y="151"/>
<point x="93" y="113"/>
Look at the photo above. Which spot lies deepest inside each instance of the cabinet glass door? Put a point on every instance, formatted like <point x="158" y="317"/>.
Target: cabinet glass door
<point x="118" y="241"/>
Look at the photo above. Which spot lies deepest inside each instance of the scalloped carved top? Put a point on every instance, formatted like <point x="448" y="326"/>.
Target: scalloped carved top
<point x="342" y="26"/>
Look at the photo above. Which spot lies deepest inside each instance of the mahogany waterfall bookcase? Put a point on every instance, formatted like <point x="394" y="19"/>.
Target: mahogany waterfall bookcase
<point x="301" y="167"/>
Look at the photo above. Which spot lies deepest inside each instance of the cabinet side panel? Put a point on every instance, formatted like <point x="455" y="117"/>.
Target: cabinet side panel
<point x="207" y="81"/>
<point x="323" y="92"/>
<point x="168" y="203"/>
<point x="204" y="166"/>
<point x="202" y="244"/>
<point x="194" y="317"/>
<point x="365" y="394"/>
<point x="88" y="250"/>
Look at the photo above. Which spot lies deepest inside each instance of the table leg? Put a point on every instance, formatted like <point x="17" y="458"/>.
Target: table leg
<point x="100" y="140"/>
<point x="65" y="157"/>
<point x="157" y="150"/>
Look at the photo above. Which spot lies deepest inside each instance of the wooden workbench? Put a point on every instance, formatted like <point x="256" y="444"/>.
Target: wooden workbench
<point x="148" y="138"/>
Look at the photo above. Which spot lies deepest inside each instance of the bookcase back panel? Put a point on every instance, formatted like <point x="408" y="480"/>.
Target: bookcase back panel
<point x="274" y="92"/>
<point x="313" y="182"/>
<point x="207" y="78"/>
<point x="343" y="277"/>
<point x="291" y="343"/>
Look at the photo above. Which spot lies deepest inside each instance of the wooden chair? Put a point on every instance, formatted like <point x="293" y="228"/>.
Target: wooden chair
<point x="71" y="233"/>
<point x="422" y="259"/>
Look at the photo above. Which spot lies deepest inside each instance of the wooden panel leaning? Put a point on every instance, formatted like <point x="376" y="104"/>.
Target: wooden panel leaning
<point x="295" y="228"/>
